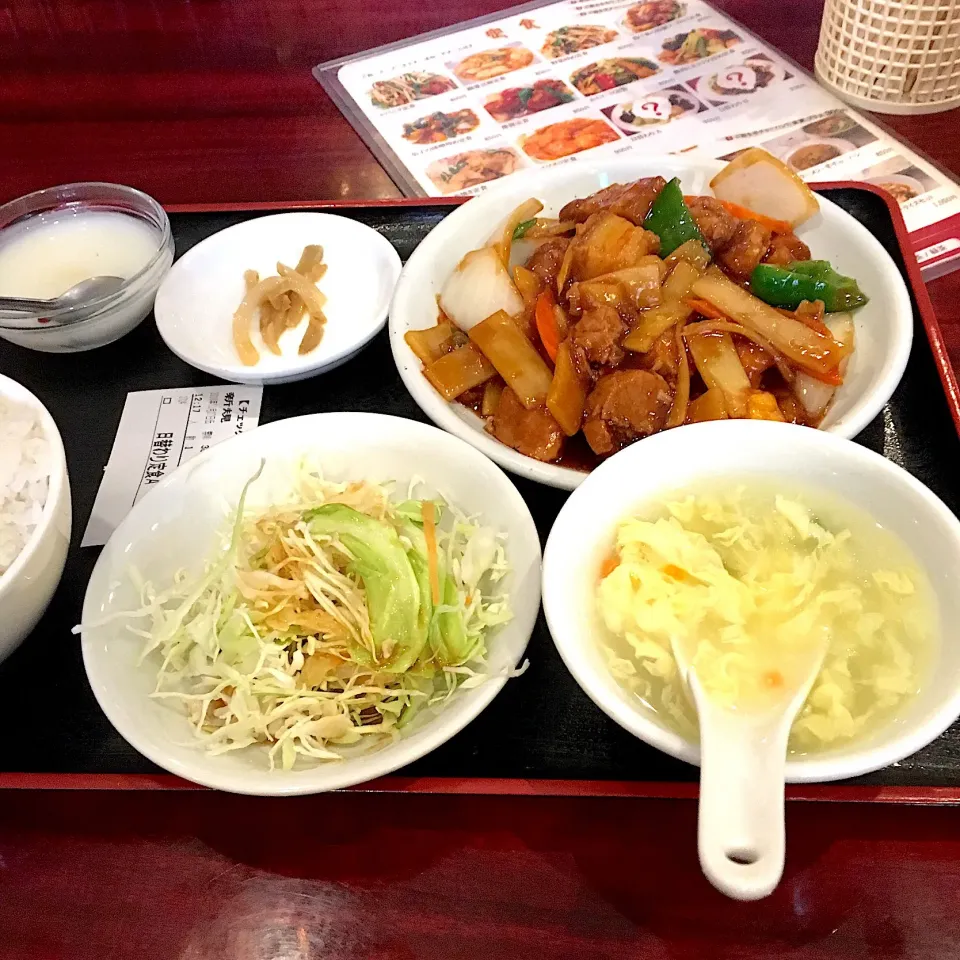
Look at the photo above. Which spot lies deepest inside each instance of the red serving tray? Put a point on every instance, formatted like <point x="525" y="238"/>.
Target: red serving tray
<point x="831" y="792"/>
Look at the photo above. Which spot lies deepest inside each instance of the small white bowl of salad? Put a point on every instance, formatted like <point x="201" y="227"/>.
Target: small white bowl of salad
<point x="312" y="605"/>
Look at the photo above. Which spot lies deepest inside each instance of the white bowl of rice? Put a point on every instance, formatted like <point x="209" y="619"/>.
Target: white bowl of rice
<point x="35" y="513"/>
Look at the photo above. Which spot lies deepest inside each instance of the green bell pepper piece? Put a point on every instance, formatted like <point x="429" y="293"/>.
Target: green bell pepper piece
<point x="671" y="220"/>
<point x="521" y="228"/>
<point x="803" y="280"/>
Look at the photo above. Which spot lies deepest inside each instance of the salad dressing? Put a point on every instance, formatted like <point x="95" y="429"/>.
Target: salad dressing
<point x="326" y="618"/>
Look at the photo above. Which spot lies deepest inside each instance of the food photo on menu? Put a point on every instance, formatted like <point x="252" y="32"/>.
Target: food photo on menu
<point x="491" y="63"/>
<point x="407" y="88"/>
<point x="570" y="85"/>
<point x="438" y="127"/>
<point x="561" y="139"/>
<point x="652" y="13"/>
<point x="515" y="102"/>
<point x="606" y="74"/>
<point x="820" y="142"/>
<point x="566" y="40"/>
<point x="698" y="44"/>
<point x="588" y="448"/>
<point x="654" y="110"/>
<point x="456" y="173"/>
<point x="740" y="81"/>
<point x="900" y="178"/>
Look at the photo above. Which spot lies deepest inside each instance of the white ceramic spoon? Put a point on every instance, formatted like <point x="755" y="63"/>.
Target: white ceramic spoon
<point x="741" y="834"/>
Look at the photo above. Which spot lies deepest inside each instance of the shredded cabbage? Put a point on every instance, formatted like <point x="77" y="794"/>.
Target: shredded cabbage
<point x="310" y="630"/>
<point x="751" y="586"/>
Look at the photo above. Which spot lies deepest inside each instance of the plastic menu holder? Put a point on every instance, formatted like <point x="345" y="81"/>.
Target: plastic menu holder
<point x="453" y="112"/>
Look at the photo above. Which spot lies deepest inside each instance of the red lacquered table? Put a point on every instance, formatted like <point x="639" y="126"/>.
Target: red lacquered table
<point x="212" y="102"/>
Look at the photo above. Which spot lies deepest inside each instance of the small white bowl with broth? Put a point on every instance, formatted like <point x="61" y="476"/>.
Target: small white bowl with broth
<point x="53" y="239"/>
<point x="895" y="523"/>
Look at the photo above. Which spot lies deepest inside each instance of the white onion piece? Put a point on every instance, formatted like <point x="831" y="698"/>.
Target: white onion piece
<point x="813" y="394"/>
<point x="478" y="288"/>
<point x="760" y="182"/>
<point x="840" y="326"/>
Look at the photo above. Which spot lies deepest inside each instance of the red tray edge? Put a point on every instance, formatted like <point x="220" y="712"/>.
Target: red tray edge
<point x="948" y="376"/>
<point x="829" y="793"/>
<point x="474" y="786"/>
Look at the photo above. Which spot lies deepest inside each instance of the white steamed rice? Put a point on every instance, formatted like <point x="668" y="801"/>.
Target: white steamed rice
<point x="24" y="478"/>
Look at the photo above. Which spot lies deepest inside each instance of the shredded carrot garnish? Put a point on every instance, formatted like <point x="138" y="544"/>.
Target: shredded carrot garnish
<point x="743" y="213"/>
<point x="704" y="308"/>
<point x="609" y="565"/>
<point x="808" y="320"/>
<point x="430" y="535"/>
<point x="772" y="678"/>
<point x="678" y="573"/>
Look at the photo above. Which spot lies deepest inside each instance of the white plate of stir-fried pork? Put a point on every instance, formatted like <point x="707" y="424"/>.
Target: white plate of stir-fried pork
<point x="560" y="318"/>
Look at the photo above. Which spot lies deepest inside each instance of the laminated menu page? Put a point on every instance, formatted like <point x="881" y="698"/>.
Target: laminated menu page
<point x="454" y="112"/>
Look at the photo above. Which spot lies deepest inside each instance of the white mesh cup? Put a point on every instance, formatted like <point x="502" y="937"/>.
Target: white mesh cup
<point x="891" y="56"/>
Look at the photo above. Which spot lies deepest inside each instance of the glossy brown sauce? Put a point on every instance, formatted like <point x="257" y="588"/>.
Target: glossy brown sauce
<point x="577" y="455"/>
<point x="576" y="452"/>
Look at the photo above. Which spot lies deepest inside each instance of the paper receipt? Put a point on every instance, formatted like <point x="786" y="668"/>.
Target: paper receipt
<point x="160" y="430"/>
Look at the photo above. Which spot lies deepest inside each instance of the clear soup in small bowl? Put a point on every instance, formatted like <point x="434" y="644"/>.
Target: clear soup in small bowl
<point x="55" y="238"/>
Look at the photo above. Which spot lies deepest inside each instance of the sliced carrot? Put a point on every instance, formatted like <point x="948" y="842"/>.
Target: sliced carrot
<point x="809" y="319"/>
<point x="832" y="377"/>
<point x="743" y="213"/>
<point x="814" y="324"/>
<point x="609" y="565"/>
<point x="430" y="535"/>
<point x="677" y="573"/>
<point x="704" y="308"/>
<point x="546" y="320"/>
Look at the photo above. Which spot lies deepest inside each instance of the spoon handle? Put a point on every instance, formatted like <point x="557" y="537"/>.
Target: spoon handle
<point x="24" y="304"/>
<point x="741" y="822"/>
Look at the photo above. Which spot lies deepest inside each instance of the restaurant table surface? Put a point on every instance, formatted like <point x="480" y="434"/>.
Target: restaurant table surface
<point x="212" y="101"/>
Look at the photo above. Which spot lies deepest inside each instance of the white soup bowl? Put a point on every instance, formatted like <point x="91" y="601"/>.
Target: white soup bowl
<point x="800" y="457"/>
